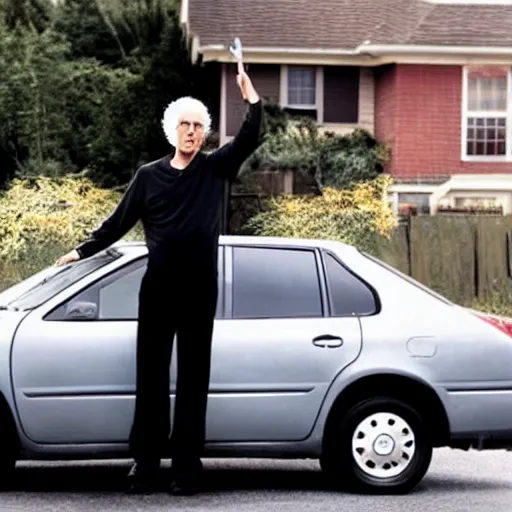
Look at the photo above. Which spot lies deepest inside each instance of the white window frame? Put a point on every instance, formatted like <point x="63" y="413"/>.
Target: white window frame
<point x="306" y="106"/>
<point x="409" y="188"/>
<point x="319" y="91"/>
<point x="488" y="113"/>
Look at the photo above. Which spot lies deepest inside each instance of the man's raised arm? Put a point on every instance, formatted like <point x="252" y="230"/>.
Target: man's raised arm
<point x="229" y="158"/>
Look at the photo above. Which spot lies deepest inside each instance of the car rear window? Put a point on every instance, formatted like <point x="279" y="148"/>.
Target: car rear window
<point x="348" y="294"/>
<point x="275" y="283"/>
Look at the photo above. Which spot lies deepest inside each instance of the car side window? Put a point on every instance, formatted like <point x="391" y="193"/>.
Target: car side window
<point x="114" y="297"/>
<point x="348" y="294"/>
<point x="119" y="299"/>
<point x="275" y="283"/>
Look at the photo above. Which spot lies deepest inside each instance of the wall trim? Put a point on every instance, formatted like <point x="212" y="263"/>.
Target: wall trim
<point x="223" y="105"/>
<point x="366" y="55"/>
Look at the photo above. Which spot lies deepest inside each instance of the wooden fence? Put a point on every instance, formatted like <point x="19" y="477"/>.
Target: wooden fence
<point x="462" y="257"/>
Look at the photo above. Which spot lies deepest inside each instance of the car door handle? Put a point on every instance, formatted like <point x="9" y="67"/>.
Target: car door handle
<point x="328" y="341"/>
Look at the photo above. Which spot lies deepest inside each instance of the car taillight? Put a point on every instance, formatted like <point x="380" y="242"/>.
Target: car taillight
<point x="504" y="324"/>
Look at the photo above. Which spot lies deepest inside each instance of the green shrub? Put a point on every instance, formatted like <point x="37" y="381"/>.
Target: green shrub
<point x="333" y="160"/>
<point x="44" y="218"/>
<point x="355" y="216"/>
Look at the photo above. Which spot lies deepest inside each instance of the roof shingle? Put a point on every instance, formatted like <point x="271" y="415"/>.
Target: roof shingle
<point x="345" y="24"/>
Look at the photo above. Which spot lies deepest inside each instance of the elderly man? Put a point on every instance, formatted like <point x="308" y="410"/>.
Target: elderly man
<point x="178" y="198"/>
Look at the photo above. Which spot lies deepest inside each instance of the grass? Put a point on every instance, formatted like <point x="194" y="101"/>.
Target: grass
<point x="499" y="303"/>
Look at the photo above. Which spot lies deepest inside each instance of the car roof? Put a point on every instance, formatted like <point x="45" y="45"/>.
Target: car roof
<point x="140" y="247"/>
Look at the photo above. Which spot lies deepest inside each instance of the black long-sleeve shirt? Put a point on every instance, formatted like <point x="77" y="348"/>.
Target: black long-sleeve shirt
<point x="179" y="209"/>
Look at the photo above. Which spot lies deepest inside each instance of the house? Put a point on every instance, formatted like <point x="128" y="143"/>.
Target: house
<point x="432" y="78"/>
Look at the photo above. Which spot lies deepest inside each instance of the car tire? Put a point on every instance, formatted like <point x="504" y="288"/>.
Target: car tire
<point x="381" y="445"/>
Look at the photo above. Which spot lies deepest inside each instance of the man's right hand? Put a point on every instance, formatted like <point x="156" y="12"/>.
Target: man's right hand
<point x="247" y="89"/>
<point x="68" y="258"/>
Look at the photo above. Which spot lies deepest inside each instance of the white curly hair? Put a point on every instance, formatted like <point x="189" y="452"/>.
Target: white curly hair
<point x="176" y="109"/>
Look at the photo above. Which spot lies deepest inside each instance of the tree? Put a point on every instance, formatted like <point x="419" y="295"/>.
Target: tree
<point x="27" y="13"/>
<point x="88" y="91"/>
<point x="112" y="30"/>
<point x="54" y="109"/>
<point x="32" y="121"/>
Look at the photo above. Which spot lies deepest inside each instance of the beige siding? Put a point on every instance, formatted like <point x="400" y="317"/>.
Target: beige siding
<point x="367" y="99"/>
<point x="343" y="91"/>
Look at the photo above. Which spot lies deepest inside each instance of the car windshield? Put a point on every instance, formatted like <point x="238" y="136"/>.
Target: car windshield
<point x="49" y="282"/>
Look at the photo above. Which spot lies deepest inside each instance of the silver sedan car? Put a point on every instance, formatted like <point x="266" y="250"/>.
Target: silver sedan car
<point x="319" y="351"/>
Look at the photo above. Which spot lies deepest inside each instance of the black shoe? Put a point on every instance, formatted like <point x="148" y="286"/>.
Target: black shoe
<point x="186" y="485"/>
<point x="142" y="479"/>
<point x="186" y="477"/>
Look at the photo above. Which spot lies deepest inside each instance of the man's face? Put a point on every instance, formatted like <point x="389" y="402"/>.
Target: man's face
<point x="190" y="133"/>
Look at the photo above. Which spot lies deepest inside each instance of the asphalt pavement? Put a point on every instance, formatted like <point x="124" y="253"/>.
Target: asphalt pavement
<point x="456" y="482"/>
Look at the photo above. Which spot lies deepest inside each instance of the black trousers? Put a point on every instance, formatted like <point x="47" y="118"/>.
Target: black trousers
<point x="178" y="298"/>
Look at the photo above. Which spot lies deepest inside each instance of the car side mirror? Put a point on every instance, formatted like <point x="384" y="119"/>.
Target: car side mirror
<point x="81" y="310"/>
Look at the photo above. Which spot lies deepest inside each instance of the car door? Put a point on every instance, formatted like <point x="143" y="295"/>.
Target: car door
<point x="74" y="379"/>
<point x="279" y="348"/>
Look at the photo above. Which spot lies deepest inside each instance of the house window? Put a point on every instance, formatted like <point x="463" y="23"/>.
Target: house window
<point x="487" y="119"/>
<point x="301" y="91"/>
<point x="301" y="87"/>
<point x="416" y="201"/>
<point x="475" y="202"/>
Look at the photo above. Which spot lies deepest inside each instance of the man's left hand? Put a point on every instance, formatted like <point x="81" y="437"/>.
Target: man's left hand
<point x="247" y="89"/>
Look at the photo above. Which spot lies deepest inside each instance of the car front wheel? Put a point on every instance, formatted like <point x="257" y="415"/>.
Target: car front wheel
<point x="379" y="445"/>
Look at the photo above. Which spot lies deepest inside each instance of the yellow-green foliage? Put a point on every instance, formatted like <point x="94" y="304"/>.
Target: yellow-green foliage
<point x="352" y="216"/>
<point x="43" y="218"/>
<point x="60" y="212"/>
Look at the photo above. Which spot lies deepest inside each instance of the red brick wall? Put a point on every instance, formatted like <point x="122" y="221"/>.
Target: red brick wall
<point x="386" y="109"/>
<point x="418" y="111"/>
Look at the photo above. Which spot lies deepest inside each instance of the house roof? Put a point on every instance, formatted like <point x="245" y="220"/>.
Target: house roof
<point x="348" y="24"/>
<point x="465" y="25"/>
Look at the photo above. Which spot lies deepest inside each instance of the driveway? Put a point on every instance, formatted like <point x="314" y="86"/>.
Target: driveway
<point x="457" y="482"/>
